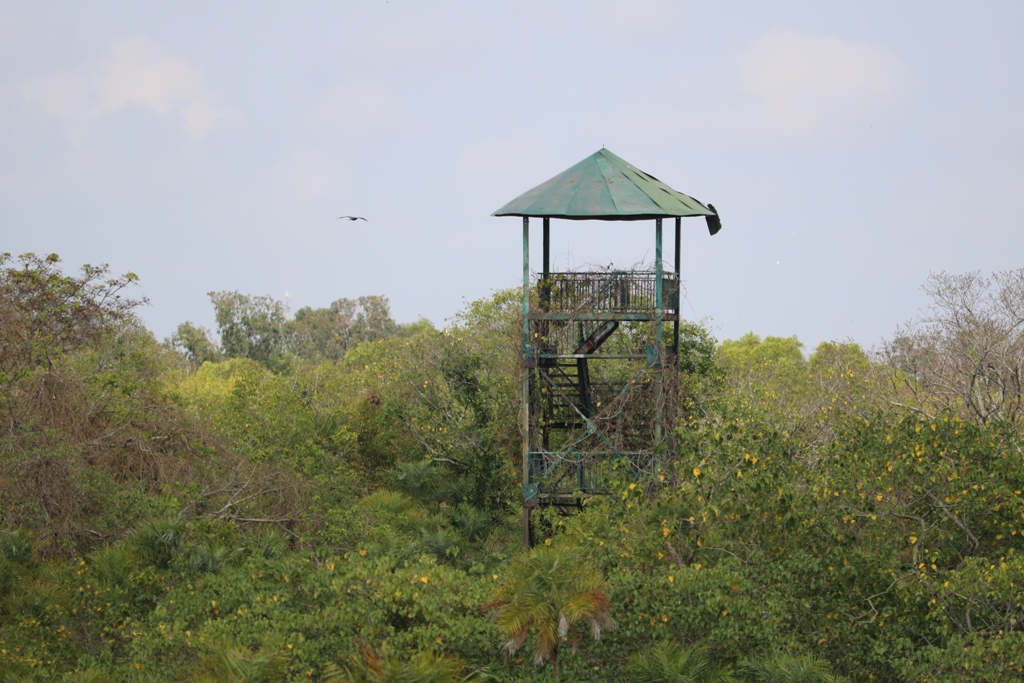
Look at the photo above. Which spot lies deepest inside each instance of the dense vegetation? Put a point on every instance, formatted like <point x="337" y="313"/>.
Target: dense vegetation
<point x="331" y="496"/>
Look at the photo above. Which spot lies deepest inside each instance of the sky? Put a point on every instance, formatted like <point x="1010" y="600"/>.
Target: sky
<point x="850" y="148"/>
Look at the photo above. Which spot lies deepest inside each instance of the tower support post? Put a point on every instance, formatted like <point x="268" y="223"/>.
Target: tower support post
<point x="659" y="342"/>
<point x="545" y="293"/>
<point x="528" y="363"/>
<point x="679" y="297"/>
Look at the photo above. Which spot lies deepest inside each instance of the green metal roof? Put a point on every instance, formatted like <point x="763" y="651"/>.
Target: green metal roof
<point x="606" y="187"/>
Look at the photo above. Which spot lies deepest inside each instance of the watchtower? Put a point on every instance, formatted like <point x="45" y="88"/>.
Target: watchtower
<point x="598" y="374"/>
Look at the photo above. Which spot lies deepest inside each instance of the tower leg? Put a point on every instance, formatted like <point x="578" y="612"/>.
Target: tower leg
<point x="659" y="341"/>
<point x="528" y="364"/>
<point x="679" y="300"/>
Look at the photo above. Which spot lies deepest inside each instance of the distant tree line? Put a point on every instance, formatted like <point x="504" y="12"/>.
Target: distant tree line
<point x="260" y="328"/>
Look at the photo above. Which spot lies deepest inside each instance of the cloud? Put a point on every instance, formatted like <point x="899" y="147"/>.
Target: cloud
<point x="802" y="82"/>
<point x="784" y="85"/>
<point x="356" y="108"/>
<point x="518" y="162"/>
<point x="136" y="73"/>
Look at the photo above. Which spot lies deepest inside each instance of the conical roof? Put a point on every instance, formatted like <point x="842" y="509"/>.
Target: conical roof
<point x="605" y="187"/>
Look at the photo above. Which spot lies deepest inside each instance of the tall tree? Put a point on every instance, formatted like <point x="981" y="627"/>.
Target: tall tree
<point x="250" y="326"/>
<point x="966" y="353"/>
<point x="44" y="312"/>
<point x="372" y="318"/>
<point x="194" y="343"/>
<point x="320" y="334"/>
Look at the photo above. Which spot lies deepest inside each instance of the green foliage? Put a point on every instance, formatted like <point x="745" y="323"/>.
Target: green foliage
<point x="90" y="440"/>
<point x="259" y="328"/>
<point x="550" y="590"/>
<point x="668" y="662"/>
<point x="786" y="668"/>
<point x="382" y="666"/>
<point x="314" y="611"/>
<point x="91" y="675"/>
<point x="209" y="555"/>
<point x="270" y="544"/>
<point x="323" y="334"/>
<point x="444" y="396"/>
<point x="697" y="354"/>
<point x="472" y="522"/>
<point x="17" y="547"/>
<point x="293" y="426"/>
<point x="158" y="542"/>
<point x="750" y="351"/>
<point x="770" y="376"/>
<point x="973" y="618"/>
<point x="250" y="326"/>
<point x="419" y="479"/>
<point x="700" y="372"/>
<point x="44" y="313"/>
<point x="201" y="547"/>
<point x="261" y="519"/>
<point x="194" y="344"/>
<point x="230" y="664"/>
<point x="7" y="579"/>
<point x="965" y="353"/>
<point x="114" y="566"/>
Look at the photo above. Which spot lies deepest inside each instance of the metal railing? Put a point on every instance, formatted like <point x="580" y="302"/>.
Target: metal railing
<point x="560" y="474"/>
<point x="617" y="291"/>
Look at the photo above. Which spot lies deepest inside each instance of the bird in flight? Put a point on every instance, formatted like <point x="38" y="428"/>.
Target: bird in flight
<point x="352" y="218"/>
